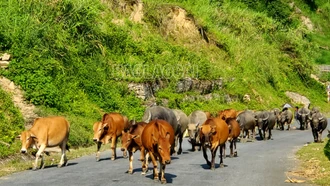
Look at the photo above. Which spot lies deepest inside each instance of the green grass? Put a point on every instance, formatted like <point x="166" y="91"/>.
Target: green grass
<point x="315" y="163"/>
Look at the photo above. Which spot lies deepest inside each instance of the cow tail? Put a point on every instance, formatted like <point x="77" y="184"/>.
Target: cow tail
<point x="67" y="147"/>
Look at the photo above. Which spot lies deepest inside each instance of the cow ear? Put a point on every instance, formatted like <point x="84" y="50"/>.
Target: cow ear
<point x="33" y="136"/>
<point x="200" y="127"/>
<point x="167" y="135"/>
<point x="105" y="126"/>
<point x="154" y="138"/>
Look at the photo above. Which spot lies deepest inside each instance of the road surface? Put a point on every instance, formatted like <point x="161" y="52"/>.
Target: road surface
<point x="259" y="163"/>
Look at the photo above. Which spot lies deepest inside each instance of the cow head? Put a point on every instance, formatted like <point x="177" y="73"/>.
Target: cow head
<point x="206" y="133"/>
<point x="303" y="114"/>
<point x="127" y="139"/>
<point x="164" y="148"/>
<point x="27" y="139"/>
<point x="316" y="120"/>
<point x="193" y="131"/>
<point x="261" y="119"/>
<point x="99" y="130"/>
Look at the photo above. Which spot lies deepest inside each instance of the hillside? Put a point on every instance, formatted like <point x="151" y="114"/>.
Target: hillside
<point x="81" y="58"/>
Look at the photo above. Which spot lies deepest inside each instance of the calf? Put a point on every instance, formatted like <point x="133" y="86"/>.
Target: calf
<point x="158" y="138"/>
<point x="47" y="132"/>
<point x="214" y="133"/>
<point x="131" y="141"/>
<point x="109" y="129"/>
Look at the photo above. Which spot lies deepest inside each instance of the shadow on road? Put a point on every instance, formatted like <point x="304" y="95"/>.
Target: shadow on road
<point x="206" y="167"/>
<point x="108" y="158"/>
<point x="169" y="177"/>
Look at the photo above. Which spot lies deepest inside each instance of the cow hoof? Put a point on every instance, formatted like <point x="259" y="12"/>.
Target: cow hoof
<point x="97" y="158"/>
<point x="156" y="180"/>
<point x="232" y="155"/>
<point x="34" y="168"/>
<point x="163" y="181"/>
<point x="235" y="154"/>
<point x="125" y="157"/>
<point x="112" y="158"/>
<point x="212" y="168"/>
<point x="222" y="165"/>
<point x="129" y="172"/>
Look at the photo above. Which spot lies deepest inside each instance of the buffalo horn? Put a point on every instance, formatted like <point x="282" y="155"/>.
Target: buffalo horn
<point x="266" y="117"/>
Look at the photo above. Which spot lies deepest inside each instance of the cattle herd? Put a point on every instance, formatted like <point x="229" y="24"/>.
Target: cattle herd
<point x="160" y="133"/>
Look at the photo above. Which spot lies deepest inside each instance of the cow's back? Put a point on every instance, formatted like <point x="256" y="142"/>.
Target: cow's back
<point x="116" y="122"/>
<point x="53" y="129"/>
<point x="159" y="112"/>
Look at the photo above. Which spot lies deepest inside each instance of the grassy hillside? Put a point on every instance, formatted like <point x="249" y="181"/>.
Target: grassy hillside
<point x="76" y="57"/>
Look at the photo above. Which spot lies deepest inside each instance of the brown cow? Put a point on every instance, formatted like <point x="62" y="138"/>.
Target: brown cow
<point x="109" y="129"/>
<point x="227" y="113"/>
<point x="131" y="141"/>
<point x="234" y="132"/>
<point x="214" y="133"/>
<point x="47" y="132"/>
<point x="157" y="139"/>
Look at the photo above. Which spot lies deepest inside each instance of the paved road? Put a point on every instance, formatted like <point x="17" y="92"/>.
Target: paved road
<point x="260" y="163"/>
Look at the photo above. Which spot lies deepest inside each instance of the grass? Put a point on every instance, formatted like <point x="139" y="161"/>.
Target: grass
<point x="315" y="165"/>
<point x="21" y="162"/>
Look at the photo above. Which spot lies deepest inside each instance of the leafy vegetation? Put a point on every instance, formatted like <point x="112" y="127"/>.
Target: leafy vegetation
<point x="11" y="122"/>
<point x="76" y="58"/>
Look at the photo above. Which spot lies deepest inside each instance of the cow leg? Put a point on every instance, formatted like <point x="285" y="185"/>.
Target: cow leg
<point x="63" y="160"/>
<point x="231" y="148"/>
<point x="144" y="158"/>
<point x="288" y="127"/>
<point x="235" y="153"/>
<point x="40" y="151"/>
<point x="270" y="134"/>
<point x="113" y="147"/>
<point x="175" y="149"/>
<point x="162" y="173"/>
<point x="205" y="156"/>
<point x="154" y="162"/>
<point x="130" y="158"/>
<point x="180" y="143"/>
<point x="213" y="153"/>
<point x="98" y="146"/>
<point x="221" y="160"/>
<point x="42" y="165"/>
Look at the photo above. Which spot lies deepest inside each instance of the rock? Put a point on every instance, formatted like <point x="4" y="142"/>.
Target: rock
<point x="4" y="64"/>
<point x="5" y="57"/>
<point x="201" y="86"/>
<point x="297" y="98"/>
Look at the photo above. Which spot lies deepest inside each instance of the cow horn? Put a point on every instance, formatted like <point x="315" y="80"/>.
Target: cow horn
<point x="18" y="137"/>
<point x="266" y="117"/>
<point x="308" y="112"/>
<point x="178" y="118"/>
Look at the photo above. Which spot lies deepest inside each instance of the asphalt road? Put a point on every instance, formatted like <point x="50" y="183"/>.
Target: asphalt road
<point x="259" y="163"/>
